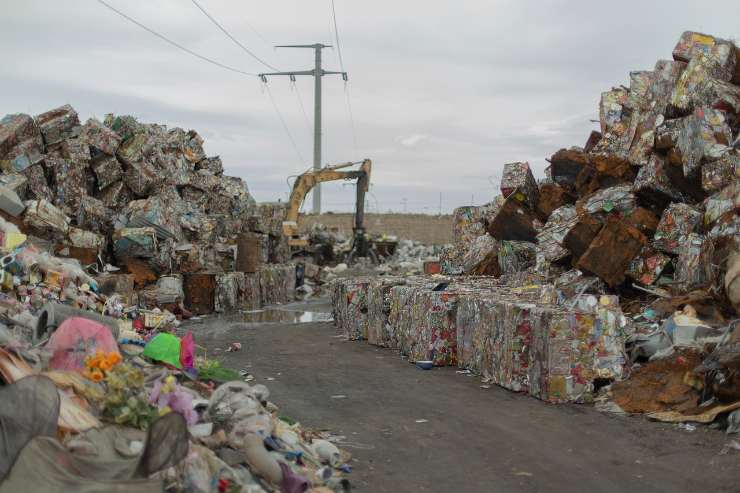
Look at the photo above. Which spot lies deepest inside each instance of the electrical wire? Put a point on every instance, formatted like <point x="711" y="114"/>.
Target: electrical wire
<point x="232" y="38"/>
<point x="346" y="86"/>
<point x="173" y="43"/>
<point x="285" y="126"/>
<point x="303" y="109"/>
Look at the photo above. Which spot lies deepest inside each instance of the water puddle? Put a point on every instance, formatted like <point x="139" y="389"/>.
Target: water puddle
<point x="273" y="315"/>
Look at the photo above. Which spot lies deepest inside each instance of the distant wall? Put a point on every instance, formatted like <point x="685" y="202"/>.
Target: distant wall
<point x="431" y="230"/>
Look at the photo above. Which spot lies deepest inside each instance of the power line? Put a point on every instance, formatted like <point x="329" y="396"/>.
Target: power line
<point x="173" y="43"/>
<point x="300" y="103"/>
<point x="232" y="38"/>
<point x="336" y="35"/>
<point x="346" y="86"/>
<point x="285" y="126"/>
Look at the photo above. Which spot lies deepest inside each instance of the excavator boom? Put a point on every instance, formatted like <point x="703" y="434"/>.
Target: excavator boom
<point x="305" y="183"/>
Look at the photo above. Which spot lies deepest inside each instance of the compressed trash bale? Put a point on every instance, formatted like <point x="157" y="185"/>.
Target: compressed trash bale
<point x="142" y="178"/>
<point x="481" y="257"/>
<point x="721" y="204"/>
<point x="466" y="224"/>
<point x="156" y="212"/>
<point x="378" y="309"/>
<point x="16" y="182"/>
<point x="516" y="256"/>
<point x="550" y="239"/>
<point x="513" y="221"/>
<point x="43" y="217"/>
<point x="58" y="124"/>
<point x="715" y="175"/>
<point x="38" y="187"/>
<point x="10" y="202"/>
<point x="677" y="222"/>
<point x="611" y="108"/>
<point x="86" y="239"/>
<point x="450" y="260"/>
<point x="580" y="235"/>
<point x="116" y="196"/>
<point x="566" y="165"/>
<point x="604" y="170"/>
<point x="698" y="84"/>
<point x="21" y="143"/>
<point x="434" y="332"/>
<point x="354" y="309"/>
<point x="249" y="291"/>
<point x="690" y="43"/>
<point x="477" y="323"/>
<point x="277" y="283"/>
<point x="611" y="252"/>
<point x="278" y="249"/>
<point x="69" y="183"/>
<point x="518" y="178"/>
<point x="107" y="171"/>
<point x="617" y="199"/>
<point x="100" y="137"/>
<point x="549" y="353"/>
<point x="226" y="296"/>
<point x="690" y="273"/>
<point x="697" y="134"/>
<point x="117" y="284"/>
<point x="134" y="242"/>
<point x="647" y="267"/>
<point x="211" y="164"/>
<point x="655" y="182"/>
<point x="93" y="215"/>
<point x="644" y="122"/>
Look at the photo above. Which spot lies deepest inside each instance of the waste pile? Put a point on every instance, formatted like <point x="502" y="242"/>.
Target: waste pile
<point x="97" y="405"/>
<point x="622" y="265"/>
<point x="410" y="258"/>
<point x="143" y="209"/>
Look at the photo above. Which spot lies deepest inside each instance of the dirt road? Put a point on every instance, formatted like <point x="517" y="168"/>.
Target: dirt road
<point x="438" y="431"/>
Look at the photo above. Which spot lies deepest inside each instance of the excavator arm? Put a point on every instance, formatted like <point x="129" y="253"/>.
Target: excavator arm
<point x="305" y="183"/>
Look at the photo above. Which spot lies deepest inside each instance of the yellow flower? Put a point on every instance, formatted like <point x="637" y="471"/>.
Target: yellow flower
<point x="114" y="358"/>
<point x="96" y="375"/>
<point x="105" y="365"/>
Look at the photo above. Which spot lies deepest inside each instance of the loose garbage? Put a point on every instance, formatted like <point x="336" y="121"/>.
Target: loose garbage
<point x="615" y="276"/>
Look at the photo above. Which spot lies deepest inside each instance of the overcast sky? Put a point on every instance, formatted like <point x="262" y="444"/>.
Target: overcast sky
<point x="443" y="92"/>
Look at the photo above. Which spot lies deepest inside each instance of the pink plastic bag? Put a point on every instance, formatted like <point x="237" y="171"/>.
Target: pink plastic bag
<point x="187" y="351"/>
<point x="77" y="338"/>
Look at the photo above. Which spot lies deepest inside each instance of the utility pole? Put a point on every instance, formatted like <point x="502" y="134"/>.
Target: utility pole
<point x="317" y="74"/>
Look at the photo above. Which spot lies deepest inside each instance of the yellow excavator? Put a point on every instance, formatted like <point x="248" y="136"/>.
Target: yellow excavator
<point x="305" y="182"/>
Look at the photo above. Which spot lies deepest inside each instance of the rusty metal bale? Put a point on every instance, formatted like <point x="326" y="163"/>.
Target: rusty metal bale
<point x="611" y="252"/>
<point x="551" y="197"/>
<point x="579" y="237"/>
<point x="566" y="165"/>
<point x="513" y="221"/>
<point x="200" y="292"/>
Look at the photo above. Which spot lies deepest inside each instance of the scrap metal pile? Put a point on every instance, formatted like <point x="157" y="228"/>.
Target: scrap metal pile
<point x="146" y="199"/>
<point x="626" y="253"/>
<point x="100" y="389"/>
